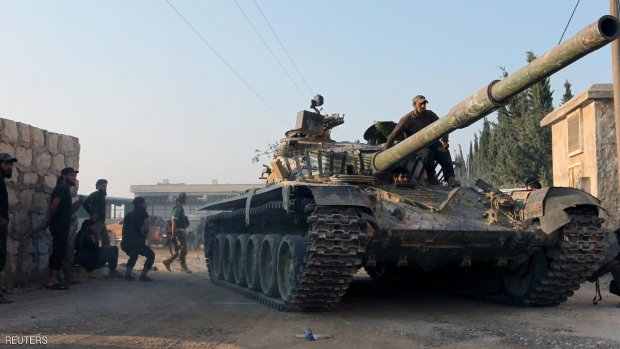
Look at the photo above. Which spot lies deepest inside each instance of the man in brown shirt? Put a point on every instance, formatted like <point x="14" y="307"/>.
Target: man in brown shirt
<point x="413" y="122"/>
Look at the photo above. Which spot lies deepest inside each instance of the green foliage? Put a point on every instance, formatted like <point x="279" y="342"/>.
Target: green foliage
<point x="268" y="153"/>
<point x="460" y="168"/>
<point x="384" y="131"/>
<point x="568" y="93"/>
<point x="516" y="147"/>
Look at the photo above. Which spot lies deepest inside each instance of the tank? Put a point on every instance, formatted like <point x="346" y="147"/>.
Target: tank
<point x="329" y="208"/>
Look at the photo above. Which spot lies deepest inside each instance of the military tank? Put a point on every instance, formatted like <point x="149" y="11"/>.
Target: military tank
<point x="329" y="208"/>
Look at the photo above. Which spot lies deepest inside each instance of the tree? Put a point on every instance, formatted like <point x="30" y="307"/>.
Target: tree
<point x="517" y="146"/>
<point x="471" y="171"/>
<point x="568" y="93"/>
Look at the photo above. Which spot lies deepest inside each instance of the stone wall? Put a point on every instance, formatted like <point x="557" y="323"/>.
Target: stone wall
<point x="41" y="155"/>
<point x="607" y="170"/>
<point x="607" y="162"/>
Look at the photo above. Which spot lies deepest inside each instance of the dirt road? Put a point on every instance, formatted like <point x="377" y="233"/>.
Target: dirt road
<point x="187" y="311"/>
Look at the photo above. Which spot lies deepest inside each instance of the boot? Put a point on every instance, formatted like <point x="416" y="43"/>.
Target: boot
<point x="431" y="177"/>
<point x="129" y="277"/>
<point x="143" y="276"/>
<point x="185" y="269"/>
<point x="167" y="263"/>
<point x="453" y="182"/>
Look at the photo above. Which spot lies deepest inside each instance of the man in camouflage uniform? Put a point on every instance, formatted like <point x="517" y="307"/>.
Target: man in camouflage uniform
<point x="180" y="222"/>
<point x="6" y="171"/>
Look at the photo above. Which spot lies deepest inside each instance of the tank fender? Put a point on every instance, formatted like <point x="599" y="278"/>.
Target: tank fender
<point x="549" y="206"/>
<point x="339" y="196"/>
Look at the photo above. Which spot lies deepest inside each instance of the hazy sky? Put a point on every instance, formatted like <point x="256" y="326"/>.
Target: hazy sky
<point x="149" y="100"/>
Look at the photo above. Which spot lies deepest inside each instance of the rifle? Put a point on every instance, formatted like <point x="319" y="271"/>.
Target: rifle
<point x="172" y="243"/>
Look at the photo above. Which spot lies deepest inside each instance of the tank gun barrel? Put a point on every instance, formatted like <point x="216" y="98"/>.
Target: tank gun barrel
<point x="499" y="92"/>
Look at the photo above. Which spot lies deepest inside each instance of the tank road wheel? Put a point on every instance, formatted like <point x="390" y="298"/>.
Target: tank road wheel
<point x="227" y="258"/>
<point x="290" y="263"/>
<point x="218" y="247"/>
<point x="268" y="266"/>
<point x="238" y="258"/>
<point x="250" y="261"/>
<point x="524" y="280"/>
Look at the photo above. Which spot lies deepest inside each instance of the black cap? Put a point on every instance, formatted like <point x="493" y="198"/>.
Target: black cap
<point x="181" y="197"/>
<point x="533" y="182"/>
<point x="67" y="170"/>
<point x="100" y="181"/>
<point x="87" y="223"/>
<point x="6" y="157"/>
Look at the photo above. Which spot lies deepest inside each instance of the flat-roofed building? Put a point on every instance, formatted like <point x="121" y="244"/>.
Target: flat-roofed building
<point x="161" y="196"/>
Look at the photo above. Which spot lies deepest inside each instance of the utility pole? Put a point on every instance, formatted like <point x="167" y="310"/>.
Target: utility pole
<point x="615" y="67"/>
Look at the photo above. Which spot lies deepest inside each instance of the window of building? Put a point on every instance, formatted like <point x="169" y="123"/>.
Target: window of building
<point x="574" y="134"/>
<point x="574" y="175"/>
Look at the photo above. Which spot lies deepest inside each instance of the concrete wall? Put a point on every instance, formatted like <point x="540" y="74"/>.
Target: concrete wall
<point x="587" y="158"/>
<point x="607" y="162"/>
<point x="41" y="156"/>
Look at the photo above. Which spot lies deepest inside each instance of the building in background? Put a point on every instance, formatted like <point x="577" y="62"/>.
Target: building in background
<point x="584" y="151"/>
<point x="161" y="199"/>
<point x="161" y="196"/>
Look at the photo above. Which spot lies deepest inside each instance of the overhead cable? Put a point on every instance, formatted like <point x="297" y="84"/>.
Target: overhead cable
<point x="571" y="17"/>
<point x="284" y="49"/>
<point x="270" y="50"/>
<point x="202" y="38"/>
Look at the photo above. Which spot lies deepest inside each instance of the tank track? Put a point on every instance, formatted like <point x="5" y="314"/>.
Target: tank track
<point x="577" y="254"/>
<point x="333" y="242"/>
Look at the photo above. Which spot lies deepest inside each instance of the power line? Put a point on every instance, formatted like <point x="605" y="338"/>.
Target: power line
<point x="269" y="49"/>
<point x="571" y="17"/>
<point x="284" y="49"/>
<point x="225" y="62"/>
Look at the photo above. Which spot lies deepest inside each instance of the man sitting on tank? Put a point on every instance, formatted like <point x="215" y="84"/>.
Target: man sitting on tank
<point x="413" y="122"/>
<point x="400" y="175"/>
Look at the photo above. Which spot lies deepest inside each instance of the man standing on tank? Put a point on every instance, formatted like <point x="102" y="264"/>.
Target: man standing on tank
<point x="6" y="171"/>
<point x="415" y="121"/>
<point x="179" y="223"/>
<point x="95" y="206"/>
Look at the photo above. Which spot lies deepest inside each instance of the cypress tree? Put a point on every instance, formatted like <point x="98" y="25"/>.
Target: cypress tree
<point x="517" y="146"/>
<point x="568" y="93"/>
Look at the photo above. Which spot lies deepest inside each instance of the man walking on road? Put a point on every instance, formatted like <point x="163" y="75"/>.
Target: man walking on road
<point x="6" y="171"/>
<point x="179" y="223"/>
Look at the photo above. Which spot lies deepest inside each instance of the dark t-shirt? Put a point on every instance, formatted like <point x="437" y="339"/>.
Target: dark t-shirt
<point x="95" y="203"/>
<point x="410" y="124"/>
<point x="4" y="200"/>
<point x="132" y="226"/>
<point x="87" y="250"/>
<point x="62" y="218"/>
